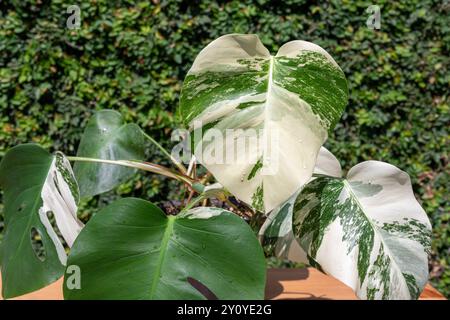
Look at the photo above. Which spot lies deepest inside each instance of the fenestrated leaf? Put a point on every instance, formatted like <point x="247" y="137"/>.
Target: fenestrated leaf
<point x="276" y="232"/>
<point x="287" y="103"/>
<point x="108" y="137"/>
<point x="366" y="230"/>
<point x="36" y="182"/>
<point x="131" y="250"/>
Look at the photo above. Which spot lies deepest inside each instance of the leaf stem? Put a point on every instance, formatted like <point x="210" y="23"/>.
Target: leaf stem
<point x="194" y="202"/>
<point x="218" y="192"/>
<point x="191" y="166"/>
<point x="321" y="175"/>
<point x="178" y="164"/>
<point x="146" y="166"/>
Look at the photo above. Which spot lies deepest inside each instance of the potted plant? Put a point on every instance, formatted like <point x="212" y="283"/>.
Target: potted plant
<point x="256" y="123"/>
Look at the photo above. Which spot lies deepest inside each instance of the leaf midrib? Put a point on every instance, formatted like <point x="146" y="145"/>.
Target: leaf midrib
<point x="375" y="230"/>
<point x="162" y="254"/>
<point x="267" y="117"/>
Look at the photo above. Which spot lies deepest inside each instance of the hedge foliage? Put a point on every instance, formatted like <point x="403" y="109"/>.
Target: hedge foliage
<point x="132" y="56"/>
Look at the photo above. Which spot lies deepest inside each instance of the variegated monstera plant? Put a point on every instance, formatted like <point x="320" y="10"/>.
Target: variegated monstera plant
<point x="256" y="123"/>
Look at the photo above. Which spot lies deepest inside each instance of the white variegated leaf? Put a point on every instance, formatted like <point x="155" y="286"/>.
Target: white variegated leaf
<point x="367" y="230"/>
<point x="276" y="232"/>
<point x="270" y="114"/>
<point x="36" y="183"/>
<point x="60" y="196"/>
<point x="327" y="164"/>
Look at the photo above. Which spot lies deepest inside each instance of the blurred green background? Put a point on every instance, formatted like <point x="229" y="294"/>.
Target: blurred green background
<point x="132" y="56"/>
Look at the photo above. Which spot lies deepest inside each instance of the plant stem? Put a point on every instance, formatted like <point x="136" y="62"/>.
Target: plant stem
<point x="206" y="178"/>
<point x="191" y="194"/>
<point x="191" y="166"/>
<point x="146" y="166"/>
<point x="321" y="175"/>
<point x="193" y="203"/>
<point x="178" y="164"/>
<point x="217" y="193"/>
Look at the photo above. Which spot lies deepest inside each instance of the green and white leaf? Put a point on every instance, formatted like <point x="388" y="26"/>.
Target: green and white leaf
<point x="367" y="230"/>
<point x="144" y="254"/>
<point x="35" y="183"/>
<point x="276" y="233"/>
<point x="327" y="164"/>
<point x="107" y="137"/>
<point x="287" y="103"/>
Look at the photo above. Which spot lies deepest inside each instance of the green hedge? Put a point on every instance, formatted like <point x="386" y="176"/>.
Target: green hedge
<point x="132" y="56"/>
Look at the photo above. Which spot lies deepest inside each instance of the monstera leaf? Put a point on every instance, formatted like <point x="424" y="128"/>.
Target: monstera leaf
<point x="258" y="121"/>
<point x="36" y="183"/>
<point x="132" y="250"/>
<point x="366" y="230"/>
<point x="107" y="137"/>
<point x="276" y="233"/>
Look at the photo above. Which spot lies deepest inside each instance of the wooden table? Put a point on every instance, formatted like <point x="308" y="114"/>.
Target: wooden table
<point x="296" y="284"/>
<point x="310" y="284"/>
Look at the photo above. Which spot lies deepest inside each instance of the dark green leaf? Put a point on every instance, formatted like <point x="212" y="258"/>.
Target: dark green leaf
<point x="131" y="250"/>
<point x="108" y="137"/>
